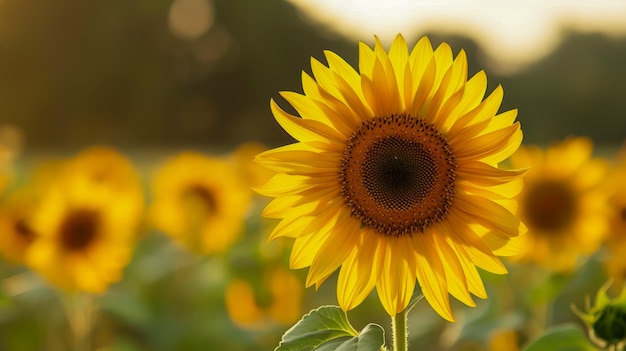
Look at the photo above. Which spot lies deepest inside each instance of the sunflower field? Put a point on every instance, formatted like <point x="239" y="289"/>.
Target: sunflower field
<point x="241" y="175"/>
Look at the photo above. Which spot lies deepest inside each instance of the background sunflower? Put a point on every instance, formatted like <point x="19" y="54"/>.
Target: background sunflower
<point x="86" y="224"/>
<point x="200" y="201"/>
<point x="562" y="203"/>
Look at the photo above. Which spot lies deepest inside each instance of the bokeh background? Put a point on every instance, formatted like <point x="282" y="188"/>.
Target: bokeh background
<point x="142" y="74"/>
<point x="155" y="77"/>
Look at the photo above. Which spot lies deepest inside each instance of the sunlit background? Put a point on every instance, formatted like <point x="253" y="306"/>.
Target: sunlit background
<point x="152" y="78"/>
<point x="199" y="72"/>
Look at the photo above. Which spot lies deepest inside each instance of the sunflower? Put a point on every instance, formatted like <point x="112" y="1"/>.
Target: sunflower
<point x="199" y="201"/>
<point x="561" y="203"/>
<point x="86" y="226"/>
<point x="394" y="178"/>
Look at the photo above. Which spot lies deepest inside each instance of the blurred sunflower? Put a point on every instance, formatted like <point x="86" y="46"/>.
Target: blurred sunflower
<point x="86" y="226"/>
<point x="284" y="305"/>
<point x="200" y="202"/>
<point x="561" y="203"/>
<point x="395" y="176"/>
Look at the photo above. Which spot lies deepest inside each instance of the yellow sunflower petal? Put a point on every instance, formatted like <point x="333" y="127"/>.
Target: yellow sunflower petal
<point x="339" y="245"/>
<point x="397" y="275"/>
<point x="491" y="147"/>
<point x="490" y="214"/>
<point x="481" y="113"/>
<point x="474" y="282"/>
<point x="399" y="57"/>
<point x="475" y="249"/>
<point x="485" y="174"/>
<point x="358" y="273"/>
<point x="304" y="130"/>
<point x="431" y="275"/>
<point x="453" y="80"/>
<point x="455" y="276"/>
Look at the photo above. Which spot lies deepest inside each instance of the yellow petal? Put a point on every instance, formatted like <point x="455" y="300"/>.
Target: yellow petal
<point x="396" y="282"/>
<point x="399" y="58"/>
<point x="431" y="275"/>
<point x="482" y="113"/>
<point x="339" y="245"/>
<point x="453" y="80"/>
<point x="473" y="93"/>
<point x="358" y="273"/>
<point x="484" y="174"/>
<point x="457" y="282"/>
<point x="473" y="246"/>
<point x="489" y="214"/>
<point x="305" y="130"/>
<point x="490" y="148"/>
<point x="290" y="227"/>
<point x="474" y="282"/>
<point x="282" y="184"/>
<point x="366" y="60"/>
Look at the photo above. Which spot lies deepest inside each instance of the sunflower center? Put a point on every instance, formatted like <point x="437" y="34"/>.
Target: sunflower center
<point x="550" y="205"/>
<point x="397" y="174"/>
<point x="199" y="200"/>
<point x="79" y="229"/>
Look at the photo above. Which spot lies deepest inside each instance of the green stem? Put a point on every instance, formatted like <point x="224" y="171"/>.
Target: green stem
<point x="399" y="331"/>
<point x="79" y="310"/>
<point x="399" y="325"/>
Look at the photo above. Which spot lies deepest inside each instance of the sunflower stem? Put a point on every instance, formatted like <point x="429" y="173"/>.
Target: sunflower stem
<point x="399" y="331"/>
<point x="79" y="310"/>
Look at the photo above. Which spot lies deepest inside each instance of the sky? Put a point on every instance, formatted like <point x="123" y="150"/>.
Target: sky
<point x="512" y="33"/>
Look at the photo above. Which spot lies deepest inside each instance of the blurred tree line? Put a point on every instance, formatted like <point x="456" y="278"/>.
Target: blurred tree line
<point x="75" y="73"/>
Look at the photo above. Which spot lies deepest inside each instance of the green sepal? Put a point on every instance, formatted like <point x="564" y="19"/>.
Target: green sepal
<point x="327" y="329"/>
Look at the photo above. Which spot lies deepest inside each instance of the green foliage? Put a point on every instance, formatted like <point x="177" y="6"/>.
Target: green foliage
<point x="567" y="337"/>
<point x="327" y="328"/>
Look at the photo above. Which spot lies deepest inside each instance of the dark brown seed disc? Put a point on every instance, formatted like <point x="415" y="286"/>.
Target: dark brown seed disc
<point x="397" y="174"/>
<point x="549" y="205"/>
<point x="79" y="229"/>
<point x="201" y="196"/>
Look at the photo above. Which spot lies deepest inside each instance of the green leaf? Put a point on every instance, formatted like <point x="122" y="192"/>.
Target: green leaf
<point x="567" y="337"/>
<point x="328" y="329"/>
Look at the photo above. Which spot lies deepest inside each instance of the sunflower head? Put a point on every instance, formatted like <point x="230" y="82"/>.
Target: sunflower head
<point x="606" y="319"/>
<point x="199" y="201"/>
<point x="86" y="227"/>
<point x="562" y="203"/>
<point x="394" y="178"/>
